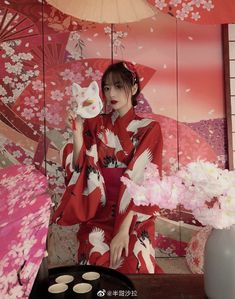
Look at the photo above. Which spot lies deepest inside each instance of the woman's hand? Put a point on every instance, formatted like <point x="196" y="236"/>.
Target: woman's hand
<point x="119" y="243"/>
<point x="74" y="121"/>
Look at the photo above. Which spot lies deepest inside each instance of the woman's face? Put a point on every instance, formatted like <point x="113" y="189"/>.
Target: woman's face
<point x="117" y="95"/>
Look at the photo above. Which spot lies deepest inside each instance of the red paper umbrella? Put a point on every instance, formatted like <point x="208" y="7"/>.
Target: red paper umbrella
<point x="105" y="11"/>
<point x="198" y="11"/>
<point x="30" y="106"/>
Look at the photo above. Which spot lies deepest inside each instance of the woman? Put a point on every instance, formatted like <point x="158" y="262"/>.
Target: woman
<point x="113" y="231"/>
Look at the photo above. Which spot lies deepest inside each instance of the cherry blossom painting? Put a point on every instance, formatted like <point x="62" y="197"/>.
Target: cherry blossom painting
<point x="180" y="63"/>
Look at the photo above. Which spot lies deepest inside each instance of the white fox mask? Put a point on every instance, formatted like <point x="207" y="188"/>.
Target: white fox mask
<point x="86" y="100"/>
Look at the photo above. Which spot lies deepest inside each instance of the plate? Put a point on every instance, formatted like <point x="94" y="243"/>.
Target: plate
<point x="112" y="283"/>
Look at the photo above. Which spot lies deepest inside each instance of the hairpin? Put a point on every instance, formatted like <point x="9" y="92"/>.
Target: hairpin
<point x="130" y="67"/>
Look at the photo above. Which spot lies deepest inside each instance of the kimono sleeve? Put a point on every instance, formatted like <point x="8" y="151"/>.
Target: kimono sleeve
<point x="84" y="186"/>
<point x="66" y="155"/>
<point x="149" y="149"/>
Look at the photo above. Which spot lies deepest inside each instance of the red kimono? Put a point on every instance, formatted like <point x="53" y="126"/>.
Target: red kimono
<point x="95" y="197"/>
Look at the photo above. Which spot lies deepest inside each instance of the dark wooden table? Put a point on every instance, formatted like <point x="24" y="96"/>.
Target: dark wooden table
<point x="168" y="286"/>
<point x="148" y="286"/>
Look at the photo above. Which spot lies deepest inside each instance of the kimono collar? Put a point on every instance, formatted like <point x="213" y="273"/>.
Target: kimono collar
<point x="127" y="118"/>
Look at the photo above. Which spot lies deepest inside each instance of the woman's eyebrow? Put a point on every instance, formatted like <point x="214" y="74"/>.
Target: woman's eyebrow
<point x="118" y="82"/>
<point x="113" y="83"/>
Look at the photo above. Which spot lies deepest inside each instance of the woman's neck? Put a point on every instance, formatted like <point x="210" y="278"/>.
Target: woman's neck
<point x="124" y="110"/>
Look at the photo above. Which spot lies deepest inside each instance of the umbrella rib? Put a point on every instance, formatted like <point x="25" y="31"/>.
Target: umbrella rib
<point x="134" y="10"/>
<point x="100" y="14"/>
<point x="61" y="53"/>
<point x="8" y="23"/>
<point x="117" y="10"/>
<point x="3" y="19"/>
<point x="9" y="33"/>
<point x="16" y="25"/>
<point x="14" y="38"/>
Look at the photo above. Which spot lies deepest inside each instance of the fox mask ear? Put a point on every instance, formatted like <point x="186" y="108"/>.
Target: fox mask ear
<point x="76" y="88"/>
<point x="94" y="87"/>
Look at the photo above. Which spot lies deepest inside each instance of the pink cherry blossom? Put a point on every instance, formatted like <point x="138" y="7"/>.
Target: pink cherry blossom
<point x="57" y="95"/>
<point x="37" y="85"/>
<point x="28" y="113"/>
<point x="201" y="187"/>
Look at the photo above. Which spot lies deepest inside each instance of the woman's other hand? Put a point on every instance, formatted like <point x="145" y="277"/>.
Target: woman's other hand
<point x="119" y="243"/>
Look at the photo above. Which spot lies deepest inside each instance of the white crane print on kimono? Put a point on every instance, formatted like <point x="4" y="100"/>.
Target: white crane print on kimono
<point x="95" y="180"/>
<point x="134" y="125"/>
<point x="144" y="252"/>
<point x="96" y="239"/>
<point x="136" y="174"/>
<point x="111" y="140"/>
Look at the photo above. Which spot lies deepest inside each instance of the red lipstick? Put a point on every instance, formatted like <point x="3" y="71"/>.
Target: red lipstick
<point x="113" y="102"/>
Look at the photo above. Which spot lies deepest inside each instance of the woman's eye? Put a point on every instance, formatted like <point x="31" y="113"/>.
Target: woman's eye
<point x="118" y="85"/>
<point x="106" y="88"/>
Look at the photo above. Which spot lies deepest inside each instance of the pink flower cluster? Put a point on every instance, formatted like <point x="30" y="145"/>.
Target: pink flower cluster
<point x="201" y="187"/>
<point x="163" y="192"/>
